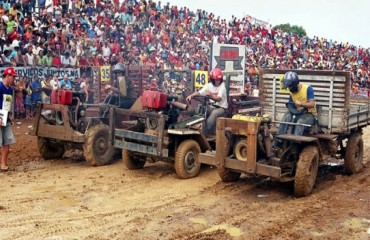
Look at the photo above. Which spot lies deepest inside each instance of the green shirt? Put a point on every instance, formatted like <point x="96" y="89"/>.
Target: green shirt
<point x="9" y="26"/>
<point x="48" y="60"/>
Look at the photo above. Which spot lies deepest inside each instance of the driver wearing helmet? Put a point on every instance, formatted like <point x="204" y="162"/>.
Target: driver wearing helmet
<point x="216" y="91"/>
<point x="122" y="93"/>
<point x="301" y="96"/>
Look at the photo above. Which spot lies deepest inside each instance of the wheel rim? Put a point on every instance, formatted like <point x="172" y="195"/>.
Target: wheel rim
<point x="243" y="151"/>
<point x="100" y="145"/>
<point x="190" y="160"/>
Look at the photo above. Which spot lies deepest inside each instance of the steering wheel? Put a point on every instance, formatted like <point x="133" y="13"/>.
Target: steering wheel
<point x="204" y="99"/>
<point x="293" y="110"/>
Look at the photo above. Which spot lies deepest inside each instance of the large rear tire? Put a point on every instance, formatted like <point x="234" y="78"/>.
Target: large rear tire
<point x="354" y="153"/>
<point x="306" y="172"/>
<point x="186" y="159"/>
<point x="49" y="150"/>
<point x="97" y="149"/>
<point x="131" y="162"/>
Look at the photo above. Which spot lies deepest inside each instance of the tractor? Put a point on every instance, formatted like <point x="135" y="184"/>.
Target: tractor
<point x="335" y="137"/>
<point x="69" y="123"/>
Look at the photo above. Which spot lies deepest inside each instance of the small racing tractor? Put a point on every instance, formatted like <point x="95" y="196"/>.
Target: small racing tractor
<point x="165" y="130"/>
<point x="170" y="131"/>
<point x="69" y="123"/>
<point x="335" y="138"/>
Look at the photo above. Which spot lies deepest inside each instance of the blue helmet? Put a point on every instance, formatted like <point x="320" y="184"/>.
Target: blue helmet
<point x="290" y="79"/>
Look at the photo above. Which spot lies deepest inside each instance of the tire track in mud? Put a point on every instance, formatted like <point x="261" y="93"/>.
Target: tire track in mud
<point x="71" y="200"/>
<point x="306" y="217"/>
<point x="128" y="189"/>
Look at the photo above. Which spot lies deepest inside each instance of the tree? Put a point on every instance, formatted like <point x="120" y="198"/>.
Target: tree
<point x="295" y="29"/>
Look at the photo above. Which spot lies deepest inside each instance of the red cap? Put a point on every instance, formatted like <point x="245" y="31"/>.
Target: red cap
<point x="9" y="71"/>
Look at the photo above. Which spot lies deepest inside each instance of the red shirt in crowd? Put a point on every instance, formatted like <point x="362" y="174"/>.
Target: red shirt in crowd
<point x="13" y="35"/>
<point x="56" y="62"/>
<point x="83" y="62"/>
<point x="115" y="48"/>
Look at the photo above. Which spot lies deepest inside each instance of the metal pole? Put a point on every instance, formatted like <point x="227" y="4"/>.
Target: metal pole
<point x="274" y="98"/>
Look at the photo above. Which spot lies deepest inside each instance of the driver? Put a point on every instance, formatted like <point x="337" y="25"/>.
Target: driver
<point x="301" y="96"/>
<point x="123" y="93"/>
<point x="216" y="91"/>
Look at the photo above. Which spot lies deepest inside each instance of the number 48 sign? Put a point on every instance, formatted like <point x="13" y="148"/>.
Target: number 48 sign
<point x="200" y="78"/>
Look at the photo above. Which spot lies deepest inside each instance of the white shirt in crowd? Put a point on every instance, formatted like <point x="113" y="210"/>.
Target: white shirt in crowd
<point x="65" y="60"/>
<point x="106" y="51"/>
<point x="36" y="50"/>
<point x="73" y="61"/>
<point x="54" y="83"/>
<point x="30" y="58"/>
<point x="219" y="91"/>
<point x="49" y="4"/>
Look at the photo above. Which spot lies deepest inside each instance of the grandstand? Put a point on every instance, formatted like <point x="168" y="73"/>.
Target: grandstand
<point x="81" y="34"/>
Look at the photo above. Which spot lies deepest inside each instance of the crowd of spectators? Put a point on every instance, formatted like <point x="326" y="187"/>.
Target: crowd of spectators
<point x="83" y="33"/>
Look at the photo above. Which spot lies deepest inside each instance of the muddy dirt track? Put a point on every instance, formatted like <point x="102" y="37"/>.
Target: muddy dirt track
<point x="67" y="199"/>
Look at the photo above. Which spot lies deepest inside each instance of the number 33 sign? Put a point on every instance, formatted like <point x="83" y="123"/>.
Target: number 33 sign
<point x="200" y="78"/>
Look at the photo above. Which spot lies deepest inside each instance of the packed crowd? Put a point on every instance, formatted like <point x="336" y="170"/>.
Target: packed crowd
<point x="83" y="33"/>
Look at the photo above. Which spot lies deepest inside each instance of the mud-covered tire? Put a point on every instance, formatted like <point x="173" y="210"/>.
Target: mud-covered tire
<point x="306" y="172"/>
<point x="227" y="175"/>
<point x="97" y="149"/>
<point x="186" y="159"/>
<point x="49" y="150"/>
<point x="131" y="162"/>
<point x="354" y="153"/>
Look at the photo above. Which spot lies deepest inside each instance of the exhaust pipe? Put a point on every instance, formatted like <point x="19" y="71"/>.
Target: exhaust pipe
<point x="180" y="105"/>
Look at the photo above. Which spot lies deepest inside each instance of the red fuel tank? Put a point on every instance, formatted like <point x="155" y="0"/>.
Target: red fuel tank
<point x="154" y="99"/>
<point x="65" y="97"/>
<point x="54" y="98"/>
<point x="61" y="97"/>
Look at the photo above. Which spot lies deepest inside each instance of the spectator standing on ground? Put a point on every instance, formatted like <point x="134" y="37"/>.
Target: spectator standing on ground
<point x="28" y="99"/>
<point x="6" y="99"/>
<point x="36" y="93"/>
<point x="65" y="83"/>
<point x="54" y="84"/>
<point x="87" y="88"/>
<point x="20" y="87"/>
<point x="46" y="90"/>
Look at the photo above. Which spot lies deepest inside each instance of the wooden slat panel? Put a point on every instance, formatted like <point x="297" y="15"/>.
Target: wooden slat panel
<point x="136" y="136"/>
<point x="268" y="170"/>
<point x="208" y="158"/>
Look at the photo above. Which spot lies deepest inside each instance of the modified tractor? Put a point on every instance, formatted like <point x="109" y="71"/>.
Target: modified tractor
<point x="69" y="123"/>
<point x="165" y="130"/>
<point x="335" y="137"/>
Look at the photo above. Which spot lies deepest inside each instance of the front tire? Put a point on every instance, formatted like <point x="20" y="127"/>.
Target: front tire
<point x="131" y="162"/>
<point x="354" y="153"/>
<point x="49" y="150"/>
<point x="97" y="149"/>
<point x="186" y="159"/>
<point x="306" y="172"/>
